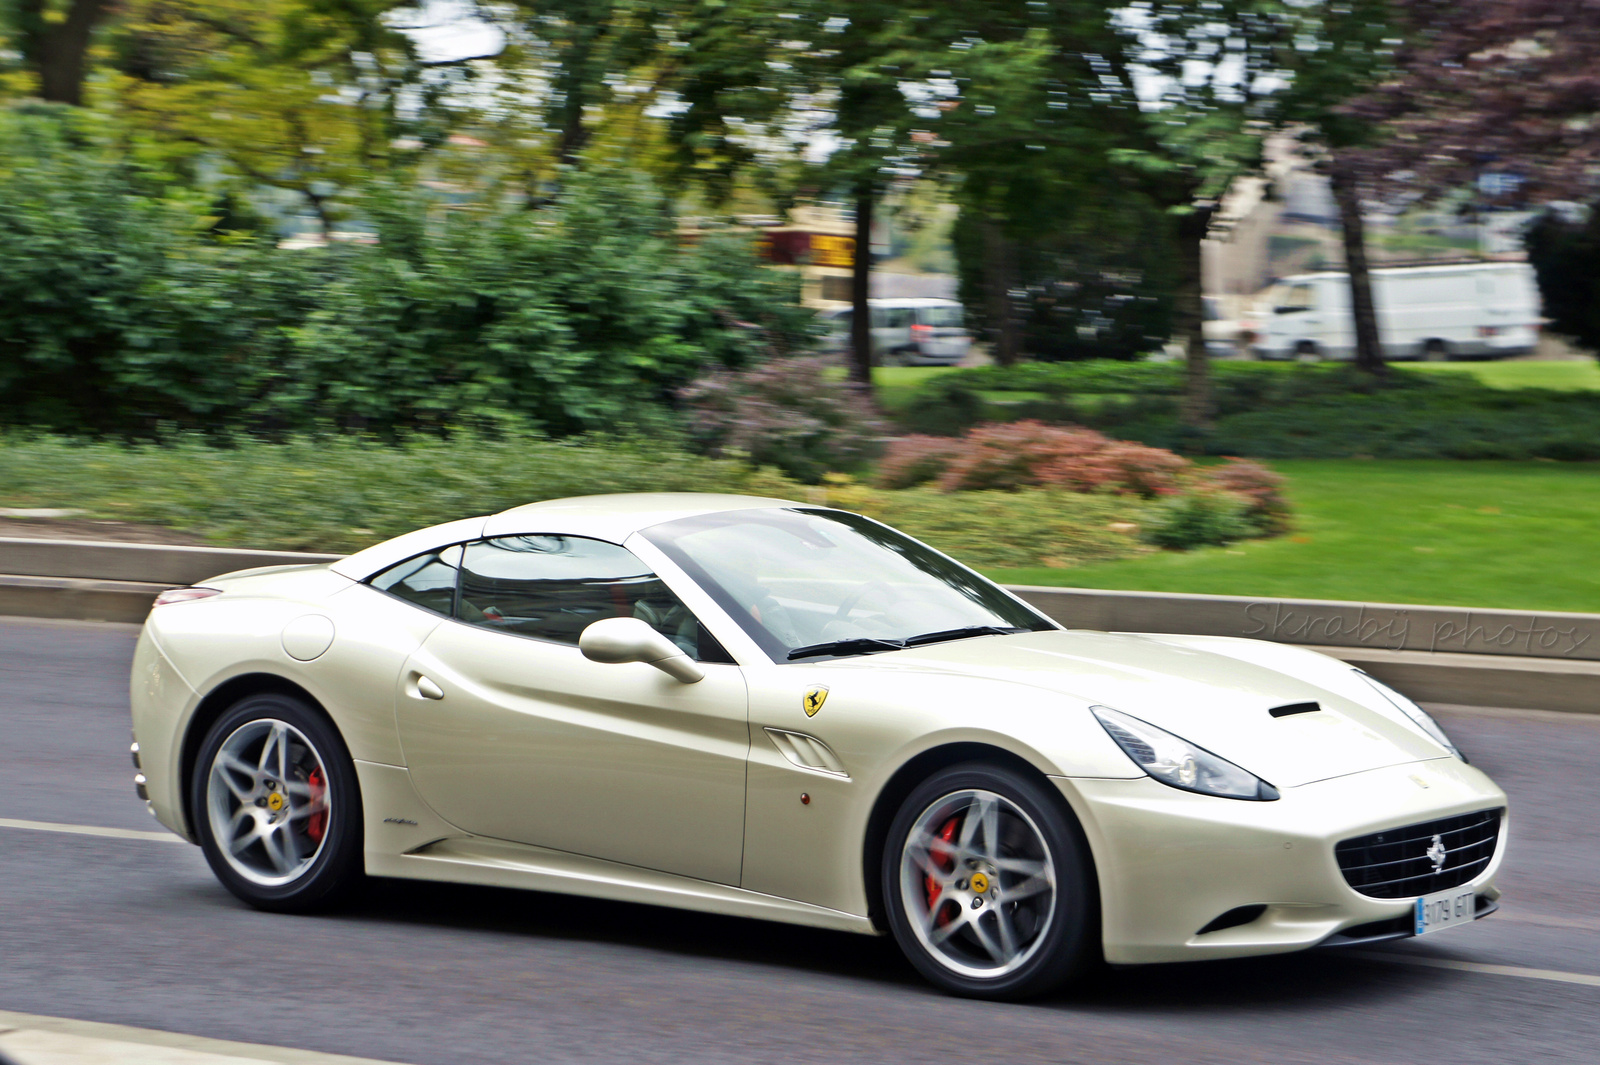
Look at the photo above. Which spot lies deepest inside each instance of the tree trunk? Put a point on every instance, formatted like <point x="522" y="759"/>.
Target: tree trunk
<point x="58" y="51"/>
<point x="1346" y="193"/>
<point x="999" y="269"/>
<point x="1189" y="321"/>
<point x="860" y="276"/>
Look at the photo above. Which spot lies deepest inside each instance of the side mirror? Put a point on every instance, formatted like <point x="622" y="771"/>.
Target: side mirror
<point x="631" y="640"/>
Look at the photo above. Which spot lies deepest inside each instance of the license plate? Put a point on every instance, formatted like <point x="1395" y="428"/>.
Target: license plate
<point x="1445" y="909"/>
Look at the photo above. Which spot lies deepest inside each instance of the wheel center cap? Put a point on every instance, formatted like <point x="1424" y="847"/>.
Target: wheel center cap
<point x="980" y="883"/>
<point x="275" y="801"/>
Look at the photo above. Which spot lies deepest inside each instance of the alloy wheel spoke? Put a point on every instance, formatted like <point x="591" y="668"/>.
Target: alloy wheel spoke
<point x="988" y="941"/>
<point x="228" y="768"/>
<point x="969" y="825"/>
<point x="272" y="842"/>
<point x="991" y="831"/>
<point x="239" y="843"/>
<point x="938" y="934"/>
<point x="1008" y="934"/>
<point x="303" y="810"/>
<point x="1032" y="886"/>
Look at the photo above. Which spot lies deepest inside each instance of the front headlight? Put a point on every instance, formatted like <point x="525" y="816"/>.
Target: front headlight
<point x="1177" y="762"/>
<point x="1421" y="717"/>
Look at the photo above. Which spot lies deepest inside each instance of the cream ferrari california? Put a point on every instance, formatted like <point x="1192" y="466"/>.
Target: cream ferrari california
<point x="767" y="709"/>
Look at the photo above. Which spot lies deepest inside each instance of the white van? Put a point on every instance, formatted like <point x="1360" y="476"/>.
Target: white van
<point x="1481" y="310"/>
<point x="906" y="332"/>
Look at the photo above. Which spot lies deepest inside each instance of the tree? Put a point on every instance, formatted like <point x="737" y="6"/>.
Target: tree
<point x="1565" y="253"/>
<point x="765" y="79"/>
<point x="290" y="94"/>
<point x="55" y="46"/>
<point x="1342" y="49"/>
<point x="1507" y="87"/>
<point x="1498" y="96"/>
<point x="1213" y="63"/>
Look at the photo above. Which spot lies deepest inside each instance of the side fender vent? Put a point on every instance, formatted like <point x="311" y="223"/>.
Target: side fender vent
<point x="807" y="752"/>
<point x="1295" y="708"/>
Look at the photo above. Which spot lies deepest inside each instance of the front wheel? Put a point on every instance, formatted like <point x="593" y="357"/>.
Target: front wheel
<point x="276" y="805"/>
<point x="988" y="885"/>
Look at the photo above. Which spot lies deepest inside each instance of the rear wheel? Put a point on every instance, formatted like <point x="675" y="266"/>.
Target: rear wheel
<point x="1435" y="351"/>
<point x="987" y="884"/>
<point x="1306" y="351"/>
<point x="277" y="807"/>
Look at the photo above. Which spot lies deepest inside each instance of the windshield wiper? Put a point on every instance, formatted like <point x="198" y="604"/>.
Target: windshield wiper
<point x="854" y="645"/>
<point x="962" y="633"/>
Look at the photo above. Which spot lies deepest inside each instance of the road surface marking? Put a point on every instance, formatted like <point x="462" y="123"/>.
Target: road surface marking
<point x="1481" y="967"/>
<point x="36" y="1040"/>
<point x="90" y="830"/>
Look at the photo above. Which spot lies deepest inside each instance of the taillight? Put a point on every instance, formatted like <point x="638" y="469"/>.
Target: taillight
<point x="920" y="329"/>
<point x="184" y="595"/>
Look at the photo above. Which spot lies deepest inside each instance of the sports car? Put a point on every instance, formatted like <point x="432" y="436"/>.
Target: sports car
<point x="769" y="709"/>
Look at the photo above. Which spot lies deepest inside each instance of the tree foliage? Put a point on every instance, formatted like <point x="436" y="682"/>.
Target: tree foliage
<point x="121" y="312"/>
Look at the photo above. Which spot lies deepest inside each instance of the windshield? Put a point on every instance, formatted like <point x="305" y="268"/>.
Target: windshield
<point x="940" y="317"/>
<point x="819" y="583"/>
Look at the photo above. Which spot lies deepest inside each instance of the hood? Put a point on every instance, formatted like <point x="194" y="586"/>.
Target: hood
<point x="1219" y="701"/>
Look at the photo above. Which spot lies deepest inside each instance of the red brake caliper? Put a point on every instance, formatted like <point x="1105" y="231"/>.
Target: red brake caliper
<point x="317" y="823"/>
<point x="946" y="861"/>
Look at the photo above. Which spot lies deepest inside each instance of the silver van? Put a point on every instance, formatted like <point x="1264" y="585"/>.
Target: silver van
<point x="906" y="332"/>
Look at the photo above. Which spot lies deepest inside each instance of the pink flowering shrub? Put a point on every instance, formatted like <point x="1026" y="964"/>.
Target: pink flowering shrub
<point x="1011" y="455"/>
<point x="1259" y="486"/>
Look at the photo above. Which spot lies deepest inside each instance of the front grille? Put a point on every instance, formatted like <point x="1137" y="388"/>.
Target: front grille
<point x="1397" y="863"/>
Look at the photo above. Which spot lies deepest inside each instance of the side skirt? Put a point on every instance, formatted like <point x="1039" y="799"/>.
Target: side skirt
<point x="396" y="817"/>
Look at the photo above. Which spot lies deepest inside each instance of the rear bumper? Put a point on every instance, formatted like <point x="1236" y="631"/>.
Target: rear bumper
<point x="1170" y="862"/>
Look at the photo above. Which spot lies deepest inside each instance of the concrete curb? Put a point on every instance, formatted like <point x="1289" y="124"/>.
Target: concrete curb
<point x="1542" y="661"/>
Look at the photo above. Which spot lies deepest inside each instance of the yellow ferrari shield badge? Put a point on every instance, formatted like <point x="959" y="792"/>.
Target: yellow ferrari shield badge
<point x="813" y="701"/>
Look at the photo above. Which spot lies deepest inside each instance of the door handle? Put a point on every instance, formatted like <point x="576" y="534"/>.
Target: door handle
<point x="427" y="688"/>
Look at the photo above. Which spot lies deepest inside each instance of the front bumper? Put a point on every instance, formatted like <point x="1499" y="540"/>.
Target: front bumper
<point x="1170" y="862"/>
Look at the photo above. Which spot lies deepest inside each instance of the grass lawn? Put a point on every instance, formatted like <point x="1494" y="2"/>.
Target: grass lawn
<point x="1519" y="535"/>
<point x="1562" y="375"/>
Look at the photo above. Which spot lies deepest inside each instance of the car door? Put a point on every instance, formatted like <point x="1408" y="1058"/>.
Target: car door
<point x="510" y="732"/>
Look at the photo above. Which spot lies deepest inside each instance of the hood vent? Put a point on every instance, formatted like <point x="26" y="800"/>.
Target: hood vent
<point x="1294" y="708"/>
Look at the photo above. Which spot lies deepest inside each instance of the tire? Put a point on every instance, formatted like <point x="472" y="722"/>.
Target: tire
<point x="1435" y="351"/>
<point x="1003" y="948"/>
<point x="302" y="837"/>
<point x="1306" y="351"/>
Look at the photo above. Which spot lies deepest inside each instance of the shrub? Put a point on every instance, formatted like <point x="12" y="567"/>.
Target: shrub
<point x="121" y="313"/>
<point x="1197" y="519"/>
<point x="1023" y="454"/>
<point x="343" y="493"/>
<point x="783" y="413"/>
<point x="915" y="460"/>
<point x="1259" y="487"/>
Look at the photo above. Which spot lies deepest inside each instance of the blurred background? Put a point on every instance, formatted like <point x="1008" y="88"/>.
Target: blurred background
<point x="1134" y="294"/>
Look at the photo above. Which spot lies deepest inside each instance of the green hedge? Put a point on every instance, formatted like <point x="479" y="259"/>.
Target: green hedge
<point x="343" y="493"/>
<point x="1267" y="410"/>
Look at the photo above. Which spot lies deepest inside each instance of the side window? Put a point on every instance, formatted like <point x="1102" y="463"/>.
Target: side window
<point x="428" y="580"/>
<point x="554" y="587"/>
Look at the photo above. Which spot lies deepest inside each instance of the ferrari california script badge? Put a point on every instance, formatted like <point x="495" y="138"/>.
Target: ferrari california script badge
<point x="814" y="700"/>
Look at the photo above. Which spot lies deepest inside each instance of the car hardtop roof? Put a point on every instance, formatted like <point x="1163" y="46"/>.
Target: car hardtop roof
<point x="605" y="517"/>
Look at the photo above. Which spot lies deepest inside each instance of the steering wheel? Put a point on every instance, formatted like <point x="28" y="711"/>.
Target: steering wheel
<point x="859" y="594"/>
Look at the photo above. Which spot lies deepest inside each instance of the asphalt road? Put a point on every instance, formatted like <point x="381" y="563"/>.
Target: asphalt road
<point x="137" y="932"/>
